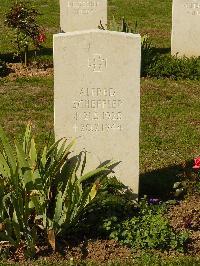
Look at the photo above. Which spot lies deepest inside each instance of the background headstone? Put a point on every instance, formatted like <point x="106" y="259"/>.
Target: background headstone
<point x="82" y="14"/>
<point x="186" y="28"/>
<point x="97" y="97"/>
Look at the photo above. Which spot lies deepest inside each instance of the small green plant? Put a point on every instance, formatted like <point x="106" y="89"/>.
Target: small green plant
<point x="113" y="199"/>
<point x="147" y="54"/>
<point x="22" y="19"/>
<point x="167" y="66"/>
<point x="43" y="193"/>
<point x="123" y="27"/>
<point x="148" y="229"/>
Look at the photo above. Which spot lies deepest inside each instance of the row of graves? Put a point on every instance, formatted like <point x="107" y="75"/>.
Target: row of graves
<point x="97" y="81"/>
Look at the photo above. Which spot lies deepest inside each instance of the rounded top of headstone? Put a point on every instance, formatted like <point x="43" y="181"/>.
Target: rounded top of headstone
<point x="98" y="31"/>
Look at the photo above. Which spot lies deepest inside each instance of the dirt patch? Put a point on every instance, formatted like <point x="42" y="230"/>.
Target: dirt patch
<point x="156" y="33"/>
<point x="17" y="70"/>
<point x="186" y="216"/>
<point x="100" y="251"/>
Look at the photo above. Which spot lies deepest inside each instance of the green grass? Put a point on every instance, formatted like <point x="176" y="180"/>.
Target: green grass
<point x="48" y="19"/>
<point x="155" y="260"/>
<point x="170" y="132"/>
<point x="143" y="260"/>
<point x="26" y="100"/>
<point x="153" y="17"/>
<point x="170" y="125"/>
<point x="170" y="112"/>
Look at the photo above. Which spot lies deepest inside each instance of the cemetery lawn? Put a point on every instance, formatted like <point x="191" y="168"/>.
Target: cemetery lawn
<point x="169" y="139"/>
<point x="170" y="126"/>
<point x="170" y="122"/>
<point x="152" y="17"/>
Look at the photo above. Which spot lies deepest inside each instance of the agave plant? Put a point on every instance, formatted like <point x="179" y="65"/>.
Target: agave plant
<point x="43" y="190"/>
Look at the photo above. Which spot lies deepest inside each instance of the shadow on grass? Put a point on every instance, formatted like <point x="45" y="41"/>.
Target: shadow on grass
<point x="116" y="204"/>
<point x="12" y="58"/>
<point x="44" y="51"/>
<point x="161" y="51"/>
<point x="159" y="183"/>
<point x="9" y="58"/>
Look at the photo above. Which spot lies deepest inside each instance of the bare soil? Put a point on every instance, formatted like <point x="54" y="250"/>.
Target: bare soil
<point x="186" y="216"/>
<point x="17" y="70"/>
<point x="101" y="251"/>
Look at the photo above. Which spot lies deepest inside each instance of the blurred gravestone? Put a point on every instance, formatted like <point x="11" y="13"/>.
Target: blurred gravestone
<point x="82" y="15"/>
<point x="186" y="28"/>
<point x="97" y="97"/>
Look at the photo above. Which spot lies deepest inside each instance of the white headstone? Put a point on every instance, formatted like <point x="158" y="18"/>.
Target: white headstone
<point x="97" y="97"/>
<point x="82" y="14"/>
<point x="186" y="28"/>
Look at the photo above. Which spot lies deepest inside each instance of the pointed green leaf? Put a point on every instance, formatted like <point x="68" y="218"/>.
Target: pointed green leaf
<point x="8" y="150"/>
<point x="33" y="154"/>
<point x="58" y="207"/>
<point x="84" y="162"/>
<point x="27" y="138"/>
<point x="95" y="172"/>
<point x="4" y="167"/>
<point x="44" y="156"/>
<point x="93" y="191"/>
<point x="23" y="164"/>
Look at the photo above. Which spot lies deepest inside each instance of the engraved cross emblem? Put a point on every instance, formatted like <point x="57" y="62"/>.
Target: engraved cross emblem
<point x="97" y="63"/>
<point x="75" y="127"/>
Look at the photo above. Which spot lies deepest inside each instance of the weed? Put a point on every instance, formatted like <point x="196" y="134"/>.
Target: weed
<point x="167" y="66"/>
<point x="149" y="229"/>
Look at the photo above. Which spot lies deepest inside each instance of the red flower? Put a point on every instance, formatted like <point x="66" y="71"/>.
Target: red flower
<point x="41" y="37"/>
<point x="197" y="163"/>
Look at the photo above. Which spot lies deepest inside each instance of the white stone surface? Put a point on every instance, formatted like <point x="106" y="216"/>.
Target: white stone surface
<point x="97" y="97"/>
<point x="186" y="28"/>
<point x="82" y="14"/>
